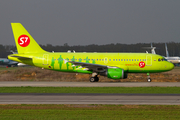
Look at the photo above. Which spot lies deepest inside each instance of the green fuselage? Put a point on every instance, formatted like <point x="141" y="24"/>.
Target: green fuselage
<point x="130" y="62"/>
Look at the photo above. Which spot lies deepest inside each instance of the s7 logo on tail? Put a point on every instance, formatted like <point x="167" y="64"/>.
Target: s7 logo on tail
<point x="23" y="40"/>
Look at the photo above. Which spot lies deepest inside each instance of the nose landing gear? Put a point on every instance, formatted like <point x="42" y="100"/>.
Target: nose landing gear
<point x="148" y="77"/>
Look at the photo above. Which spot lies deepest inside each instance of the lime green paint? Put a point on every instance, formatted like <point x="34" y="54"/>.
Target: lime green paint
<point x="115" y="73"/>
<point x="58" y="61"/>
<point x="52" y="62"/>
<point x="33" y="47"/>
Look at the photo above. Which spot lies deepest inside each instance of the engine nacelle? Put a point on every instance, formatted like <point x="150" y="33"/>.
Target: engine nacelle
<point x="115" y="73"/>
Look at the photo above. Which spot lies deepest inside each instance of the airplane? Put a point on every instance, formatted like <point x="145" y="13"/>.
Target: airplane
<point x="9" y="63"/>
<point x="152" y="49"/>
<point x="174" y="60"/>
<point x="111" y="65"/>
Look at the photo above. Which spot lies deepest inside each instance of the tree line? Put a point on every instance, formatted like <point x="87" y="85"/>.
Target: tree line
<point x="173" y="48"/>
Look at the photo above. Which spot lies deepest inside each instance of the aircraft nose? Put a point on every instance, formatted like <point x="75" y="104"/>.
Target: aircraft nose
<point x="171" y="66"/>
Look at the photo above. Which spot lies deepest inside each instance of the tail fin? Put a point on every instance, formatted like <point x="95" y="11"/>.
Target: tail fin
<point x="25" y="43"/>
<point x="167" y="53"/>
<point x="153" y="49"/>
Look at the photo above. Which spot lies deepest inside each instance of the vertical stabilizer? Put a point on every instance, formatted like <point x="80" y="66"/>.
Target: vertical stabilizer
<point x="167" y="53"/>
<point x="153" y="49"/>
<point x="25" y="43"/>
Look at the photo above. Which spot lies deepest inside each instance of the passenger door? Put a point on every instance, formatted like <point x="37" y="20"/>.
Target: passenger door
<point x="148" y="60"/>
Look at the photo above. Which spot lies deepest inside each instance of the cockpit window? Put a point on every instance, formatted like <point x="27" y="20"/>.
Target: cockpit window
<point x="162" y="59"/>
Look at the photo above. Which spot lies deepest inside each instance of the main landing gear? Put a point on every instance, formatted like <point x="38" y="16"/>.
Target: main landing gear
<point x="94" y="78"/>
<point x="148" y="77"/>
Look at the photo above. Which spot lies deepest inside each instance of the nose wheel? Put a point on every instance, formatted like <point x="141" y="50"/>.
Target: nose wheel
<point x="148" y="77"/>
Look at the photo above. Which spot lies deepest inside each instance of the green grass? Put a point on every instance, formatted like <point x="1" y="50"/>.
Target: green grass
<point x="89" y="112"/>
<point x="154" y="90"/>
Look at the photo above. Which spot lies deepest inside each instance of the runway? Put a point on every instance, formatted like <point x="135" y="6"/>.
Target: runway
<point x="87" y="84"/>
<point x="125" y="99"/>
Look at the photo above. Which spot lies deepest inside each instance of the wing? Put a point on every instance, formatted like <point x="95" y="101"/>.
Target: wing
<point x="92" y="67"/>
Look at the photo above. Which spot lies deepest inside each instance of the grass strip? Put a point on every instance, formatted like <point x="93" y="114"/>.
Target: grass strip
<point x="89" y="112"/>
<point x="151" y="90"/>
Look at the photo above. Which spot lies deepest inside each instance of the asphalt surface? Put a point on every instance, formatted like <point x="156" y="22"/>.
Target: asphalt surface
<point x="88" y="84"/>
<point x="59" y="98"/>
<point x="52" y="98"/>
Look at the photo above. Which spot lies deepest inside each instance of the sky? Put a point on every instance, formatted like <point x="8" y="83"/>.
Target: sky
<point x="84" y="22"/>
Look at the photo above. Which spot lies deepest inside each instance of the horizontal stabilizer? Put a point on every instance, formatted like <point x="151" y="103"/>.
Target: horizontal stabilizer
<point x="20" y="57"/>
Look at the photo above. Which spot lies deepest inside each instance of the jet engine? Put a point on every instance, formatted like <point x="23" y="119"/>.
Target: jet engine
<point x="114" y="73"/>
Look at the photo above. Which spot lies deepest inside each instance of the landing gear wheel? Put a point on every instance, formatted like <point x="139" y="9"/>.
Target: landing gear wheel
<point x="149" y="79"/>
<point x="96" y="79"/>
<point x="92" y="79"/>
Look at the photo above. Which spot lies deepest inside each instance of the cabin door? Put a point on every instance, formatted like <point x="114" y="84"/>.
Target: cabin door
<point x="148" y="60"/>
